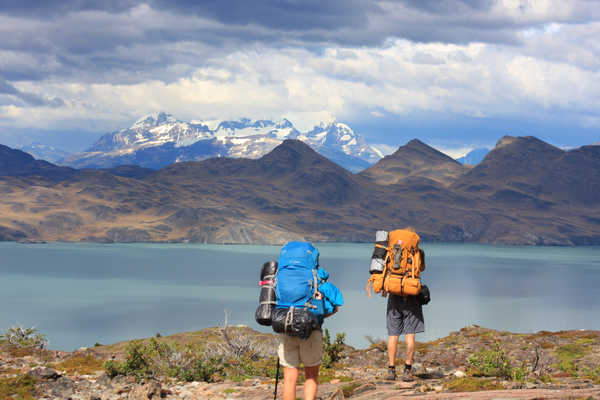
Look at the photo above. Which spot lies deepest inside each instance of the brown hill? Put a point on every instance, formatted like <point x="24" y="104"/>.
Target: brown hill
<point x="18" y="163"/>
<point x="295" y="193"/>
<point x="528" y="169"/>
<point x="415" y="159"/>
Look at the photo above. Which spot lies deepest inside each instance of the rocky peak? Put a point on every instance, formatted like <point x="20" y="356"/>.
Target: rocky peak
<point x="291" y="151"/>
<point x="525" y="144"/>
<point x="152" y="120"/>
<point x="505" y="141"/>
<point x="417" y="150"/>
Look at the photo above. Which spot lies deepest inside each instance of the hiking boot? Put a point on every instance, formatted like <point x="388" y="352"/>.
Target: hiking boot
<point x="391" y="376"/>
<point x="408" y="375"/>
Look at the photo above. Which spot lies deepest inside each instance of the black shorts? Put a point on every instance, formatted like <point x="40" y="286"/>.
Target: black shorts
<point x="404" y="315"/>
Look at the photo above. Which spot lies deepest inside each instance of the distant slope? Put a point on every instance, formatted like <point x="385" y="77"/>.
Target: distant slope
<point x="18" y="163"/>
<point x="45" y="152"/>
<point x="524" y="164"/>
<point x="415" y="160"/>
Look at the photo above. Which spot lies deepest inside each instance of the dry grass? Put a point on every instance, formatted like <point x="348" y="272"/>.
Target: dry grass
<point x="18" y="388"/>
<point x="80" y="364"/>
<point x="471" y="384"/>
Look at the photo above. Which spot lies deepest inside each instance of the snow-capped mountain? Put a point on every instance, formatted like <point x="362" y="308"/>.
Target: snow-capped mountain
<point x="159" y="139"/>
<point x="45" y="152"/>
<point x="151" y="131"/>
<point x="474" y="157"/>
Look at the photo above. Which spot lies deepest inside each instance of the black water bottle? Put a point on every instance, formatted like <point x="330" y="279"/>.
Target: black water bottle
<point x="267" y="299"/>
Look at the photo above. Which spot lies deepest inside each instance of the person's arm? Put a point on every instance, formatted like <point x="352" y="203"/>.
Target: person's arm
<point x="335" y="309"/>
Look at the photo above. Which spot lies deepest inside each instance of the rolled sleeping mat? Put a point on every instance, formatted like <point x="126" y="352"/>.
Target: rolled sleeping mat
<point x="379" y="253"/>
<point x="267" y="298"/>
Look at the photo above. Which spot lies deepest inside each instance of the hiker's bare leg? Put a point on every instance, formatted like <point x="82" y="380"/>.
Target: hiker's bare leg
<point x="312" y="382"/>
<point x="290" y="379"/>
<point x="410" y="348"/>
<point x="392" y="348"/>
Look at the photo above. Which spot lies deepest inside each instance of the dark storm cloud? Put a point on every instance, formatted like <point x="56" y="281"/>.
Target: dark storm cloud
<point x="442" y="7"/>
<point x="280" y="14"/>
<point x="129" y="41"/>
<point x="30" y="99"/>
<point x="49" y="8"/>
<point x="274" y="22"/>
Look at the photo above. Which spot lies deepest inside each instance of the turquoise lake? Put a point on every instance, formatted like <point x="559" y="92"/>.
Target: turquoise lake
<point x="81" y="294"/>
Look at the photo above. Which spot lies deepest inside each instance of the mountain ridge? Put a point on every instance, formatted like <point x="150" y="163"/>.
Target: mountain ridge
<point x="294" y="193"/>
<point x="175" y="140"/>
<point x="415" y="159"/>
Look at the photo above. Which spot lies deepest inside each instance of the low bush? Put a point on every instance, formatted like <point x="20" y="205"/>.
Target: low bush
<point x="570" y="353"/>
<point x="155" y="359"/>
<point x="21" y="337"/>
<point x="332" y="352"/>
<point x="495" y="363"/>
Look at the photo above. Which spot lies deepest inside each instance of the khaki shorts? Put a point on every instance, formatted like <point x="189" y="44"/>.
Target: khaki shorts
<point x="292" y="350"/>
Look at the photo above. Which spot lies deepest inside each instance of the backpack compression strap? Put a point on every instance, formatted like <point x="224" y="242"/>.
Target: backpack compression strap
<point x="314" y="285"/>
<point x="289" y="319"/>
<point x="269" y="282"/>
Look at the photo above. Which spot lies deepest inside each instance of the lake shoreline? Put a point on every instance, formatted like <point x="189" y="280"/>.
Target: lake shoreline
<point x="186" y="241"/>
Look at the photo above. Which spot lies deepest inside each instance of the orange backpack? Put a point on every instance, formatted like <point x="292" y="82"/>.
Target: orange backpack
<point x="403" y="264"/>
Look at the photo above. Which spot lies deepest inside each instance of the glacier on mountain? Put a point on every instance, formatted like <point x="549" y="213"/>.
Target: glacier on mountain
<point x="159" y="139"/>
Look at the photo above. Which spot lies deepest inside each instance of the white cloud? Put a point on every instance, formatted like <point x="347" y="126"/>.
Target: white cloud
<point x="555" y="68"/>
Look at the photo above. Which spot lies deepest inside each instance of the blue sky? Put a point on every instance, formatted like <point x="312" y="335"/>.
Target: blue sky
<point x="456" y="74"/>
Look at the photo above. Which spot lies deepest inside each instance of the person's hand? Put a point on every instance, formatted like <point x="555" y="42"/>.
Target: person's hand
<point x="334" y="311"/>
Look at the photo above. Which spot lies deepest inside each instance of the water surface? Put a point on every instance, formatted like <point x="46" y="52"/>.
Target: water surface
<point x="80" y="294"/>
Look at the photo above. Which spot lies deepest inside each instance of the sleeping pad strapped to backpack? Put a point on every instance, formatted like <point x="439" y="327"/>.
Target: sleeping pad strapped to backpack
<point x="267" y="299"/>
<point x="403" y="264"/>
<point x="299" y="308"/>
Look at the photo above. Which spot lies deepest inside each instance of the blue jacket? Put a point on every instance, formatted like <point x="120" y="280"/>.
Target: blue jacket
<point x="331" y="294"/>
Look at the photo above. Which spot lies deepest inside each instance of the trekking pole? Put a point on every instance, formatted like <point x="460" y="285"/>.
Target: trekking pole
<point x="276" y="380"/>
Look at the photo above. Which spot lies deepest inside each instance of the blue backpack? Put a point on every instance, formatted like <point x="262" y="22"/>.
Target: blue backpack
<point x="297" y="280"/>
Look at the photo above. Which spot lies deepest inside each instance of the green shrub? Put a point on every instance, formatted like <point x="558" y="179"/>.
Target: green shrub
<point x="19" y="336"/>
<point x="156" y="359"/>
<point x="519" y="373"/>
<point x="112" y="368"/>
<point x="332" y="352"/>
<point x="490" y="362"/>
<point x="569" y="353"/>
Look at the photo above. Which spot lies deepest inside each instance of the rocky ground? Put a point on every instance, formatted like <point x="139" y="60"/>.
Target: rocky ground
<point x="474" y="362"/>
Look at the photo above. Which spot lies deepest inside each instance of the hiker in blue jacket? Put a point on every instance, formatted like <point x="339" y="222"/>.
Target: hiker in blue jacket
<point x="293" y="351"/>
<point x="304" y="300"/>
